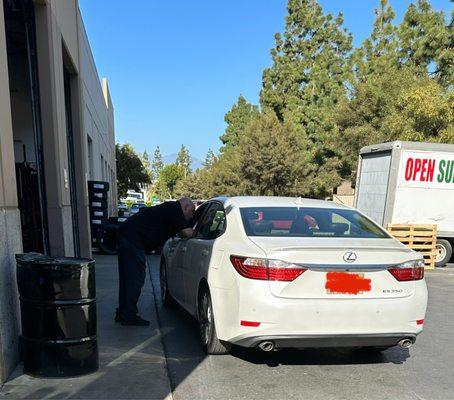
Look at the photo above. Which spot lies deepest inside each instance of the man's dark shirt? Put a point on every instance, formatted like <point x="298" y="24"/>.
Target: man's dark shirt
<point x="152" y="226"/>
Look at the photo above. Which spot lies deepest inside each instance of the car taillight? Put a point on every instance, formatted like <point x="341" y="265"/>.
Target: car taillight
<point x="409" y="271"/>
<point x="264" y="269"/>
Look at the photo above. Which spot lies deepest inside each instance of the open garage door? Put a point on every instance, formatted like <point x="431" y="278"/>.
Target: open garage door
<point x="26" y="117"/>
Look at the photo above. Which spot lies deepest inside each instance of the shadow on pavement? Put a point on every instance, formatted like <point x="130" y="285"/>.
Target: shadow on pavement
<point x="139" y="362"/>
<point x="132" y="361"/>
<point x="186" y="359"/>
<point x="321" y="356"/>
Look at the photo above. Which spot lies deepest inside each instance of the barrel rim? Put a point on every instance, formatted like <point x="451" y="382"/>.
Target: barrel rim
<point x="60" y="342"/>
<point x="62" y="302"/>
<point x="34" y="259"/>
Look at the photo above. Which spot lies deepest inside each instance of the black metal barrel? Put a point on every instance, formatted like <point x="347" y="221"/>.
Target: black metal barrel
<point x="58" y="314"/>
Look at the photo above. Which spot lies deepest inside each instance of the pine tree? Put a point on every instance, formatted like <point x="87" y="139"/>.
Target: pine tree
<point x="210" y="158"/>
<point x="309" y="65"/>
<point x="423" y="35"/>
<point x="445" y="57"/>
<point x="379" y="52"/>
<point x="156" y="164"/>
<point x="184" y="160"/>
<point x="307" y="79"/>
<point x="237" y="119"/>
<point x="146" y="162"/>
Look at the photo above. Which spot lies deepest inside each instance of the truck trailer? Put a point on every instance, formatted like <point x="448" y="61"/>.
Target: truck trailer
<point x="409" y="183"/>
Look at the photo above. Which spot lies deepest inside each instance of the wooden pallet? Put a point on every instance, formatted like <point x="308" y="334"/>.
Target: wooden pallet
<point x="421" y="238"/>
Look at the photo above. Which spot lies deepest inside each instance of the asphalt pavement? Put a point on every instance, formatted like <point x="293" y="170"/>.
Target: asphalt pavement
<point x="132" y="364"/>
<point x="425" y="371"/>
<point x="164" y="361"/>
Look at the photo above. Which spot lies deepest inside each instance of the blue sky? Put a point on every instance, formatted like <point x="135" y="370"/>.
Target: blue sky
<point x="176" y="67"/>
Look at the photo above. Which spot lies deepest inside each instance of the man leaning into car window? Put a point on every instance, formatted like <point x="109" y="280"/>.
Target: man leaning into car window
<point x="144" y="232"/>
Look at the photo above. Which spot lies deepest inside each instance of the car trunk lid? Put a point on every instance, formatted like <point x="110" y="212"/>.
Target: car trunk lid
<point x="338" y="268"/>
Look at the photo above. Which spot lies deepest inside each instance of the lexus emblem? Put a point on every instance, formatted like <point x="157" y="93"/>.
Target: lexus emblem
<point x="349" y="257"/>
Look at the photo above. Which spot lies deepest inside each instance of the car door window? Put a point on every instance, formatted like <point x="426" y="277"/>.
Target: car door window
<point x="212" y="223"/>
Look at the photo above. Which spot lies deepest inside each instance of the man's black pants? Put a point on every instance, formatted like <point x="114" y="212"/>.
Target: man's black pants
<point x="132" y="264"/>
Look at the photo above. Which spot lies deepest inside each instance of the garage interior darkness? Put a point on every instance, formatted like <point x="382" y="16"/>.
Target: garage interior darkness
<point x="27" y="132"/>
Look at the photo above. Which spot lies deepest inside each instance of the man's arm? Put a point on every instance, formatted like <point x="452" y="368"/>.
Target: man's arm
<point x="187" y="232"/>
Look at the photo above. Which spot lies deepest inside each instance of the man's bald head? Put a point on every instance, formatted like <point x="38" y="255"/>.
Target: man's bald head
<point x="188" y="207"/>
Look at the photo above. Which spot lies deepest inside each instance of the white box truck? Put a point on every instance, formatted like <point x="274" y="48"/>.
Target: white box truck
<point x="409" y="183"/>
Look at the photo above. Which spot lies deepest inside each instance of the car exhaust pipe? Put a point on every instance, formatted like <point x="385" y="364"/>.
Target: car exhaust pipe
<point x="406" y="343"/>
<point x="266" y="346"/>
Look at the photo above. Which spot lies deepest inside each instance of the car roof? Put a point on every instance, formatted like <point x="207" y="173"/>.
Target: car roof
<point x="277" y="201"/>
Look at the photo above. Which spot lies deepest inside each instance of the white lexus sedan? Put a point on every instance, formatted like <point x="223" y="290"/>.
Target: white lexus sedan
<point x="277" y="272"/>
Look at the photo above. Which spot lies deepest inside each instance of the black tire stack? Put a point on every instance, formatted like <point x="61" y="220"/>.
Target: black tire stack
<point x="98" y="197"/>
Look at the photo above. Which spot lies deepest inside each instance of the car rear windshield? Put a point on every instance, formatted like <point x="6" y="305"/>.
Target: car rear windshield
<point x="308" y="222"/>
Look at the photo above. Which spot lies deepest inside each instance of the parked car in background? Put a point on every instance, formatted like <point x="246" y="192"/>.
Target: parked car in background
<point x="135" y="208"/>
<point x="275" y="272"/>
<point x="123" y="209"/>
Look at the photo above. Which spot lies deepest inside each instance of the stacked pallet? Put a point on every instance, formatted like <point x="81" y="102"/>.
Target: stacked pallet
<point x="98" y="196"/>
<point x="421" y="238"/>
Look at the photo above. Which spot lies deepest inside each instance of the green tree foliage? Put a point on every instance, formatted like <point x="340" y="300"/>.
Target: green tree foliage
<point x="210" y="158"/>
<point x="398" y="105"/>
<point x="130" y="170"/>
<point x="423" y="35"/>
<point x="196" y="185"/>
<point x="237" y="119"/>
<point x="146" y="163"/>
<point x="273" y="159"/>
<point x="379" y="52"/>
<point x="168" y="178"/>
<point x="307" y="134"/>
<point x="311" y="65"/>
<point x="225" y="175"/>
<point x="445" y="57"/>
<point x="221" y="178"/>
<point x="395" y="97"/>
<point x="156" y="165"/>
<point x="184" y="160"/>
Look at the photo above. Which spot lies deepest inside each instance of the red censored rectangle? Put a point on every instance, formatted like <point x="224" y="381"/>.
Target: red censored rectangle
<point x="346" y="283"/>
<point x="250" y="323"/>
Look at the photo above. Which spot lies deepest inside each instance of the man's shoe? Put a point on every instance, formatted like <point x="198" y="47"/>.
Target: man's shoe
<point x="134" y="321"/>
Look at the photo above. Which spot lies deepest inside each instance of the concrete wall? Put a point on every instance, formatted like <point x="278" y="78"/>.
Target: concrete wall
<point x="98" y="121"/>
<point x="10" y="233"/>
<point x="51" y="84"/>
<point x="62" y="43"/>
<point x="61" y="36"/>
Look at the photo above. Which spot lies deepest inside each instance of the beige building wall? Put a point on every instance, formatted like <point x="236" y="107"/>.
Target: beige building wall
<point x="62" y="44"/>
<point x="98" y="121"/>
<point x="10" y="232"/>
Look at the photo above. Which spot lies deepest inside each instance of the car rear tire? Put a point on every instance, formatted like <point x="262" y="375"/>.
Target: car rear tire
<point x="444" y="252"/>
<point x="106" y="240"/>
<point x="166" y="297"/>
<point x="208" y="337"/>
